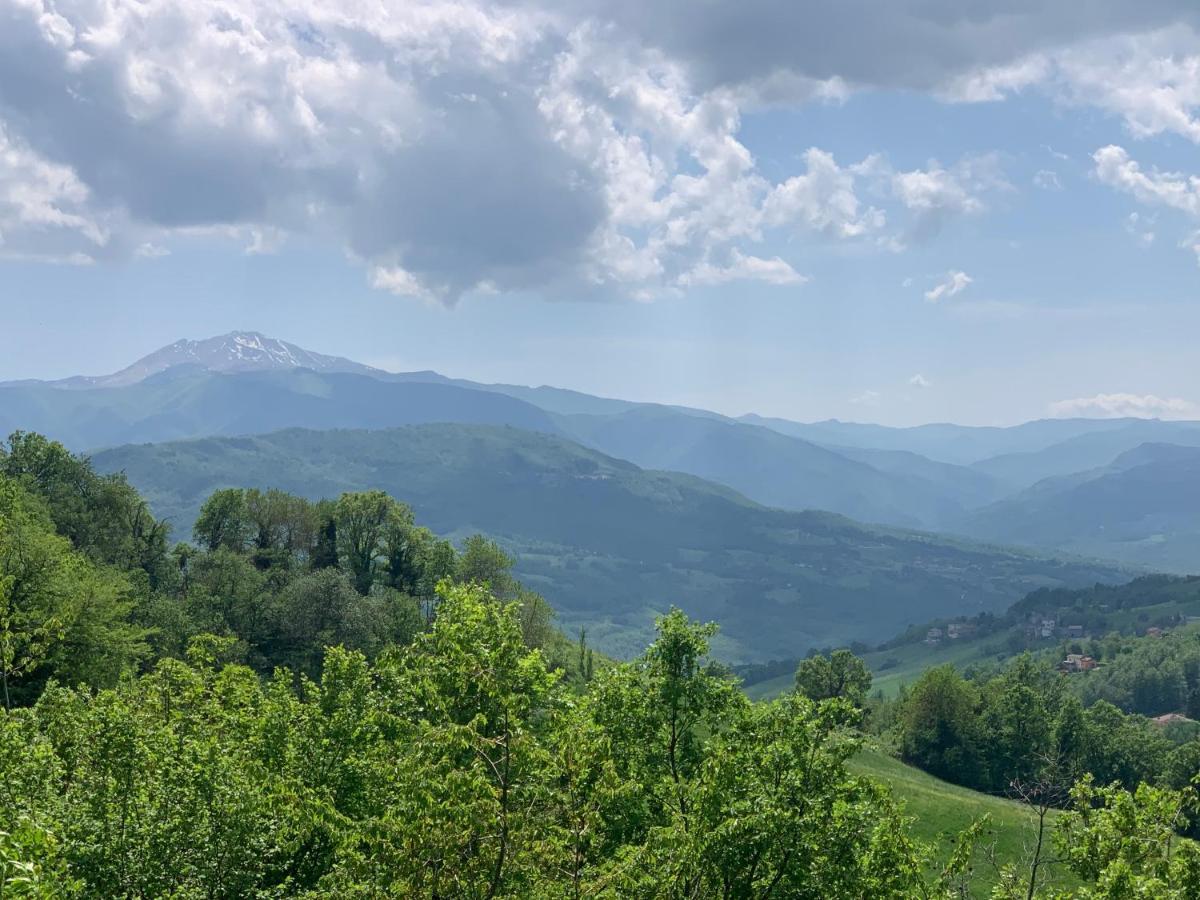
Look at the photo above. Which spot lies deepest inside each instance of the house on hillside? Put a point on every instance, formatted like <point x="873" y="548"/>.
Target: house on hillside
<point x="1074" y="631"/>
<point x="1076" y="662"/>
<point x="956" y="630"/>
<point x="1154" y="631"/>
<point x="1047" y="628"/>
<point x="933" y="636"/>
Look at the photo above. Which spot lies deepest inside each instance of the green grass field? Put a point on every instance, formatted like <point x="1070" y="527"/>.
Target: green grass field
<point x="899" y="666"/>
<point x="940" y="811"/>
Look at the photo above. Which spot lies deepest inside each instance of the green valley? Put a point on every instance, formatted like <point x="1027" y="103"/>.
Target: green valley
<point x="611" y="545"/>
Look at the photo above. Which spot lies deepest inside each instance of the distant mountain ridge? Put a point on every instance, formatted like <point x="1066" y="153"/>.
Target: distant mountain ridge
<point x="194" y="404"/>
<point x="237" y="351"/>
<point x="1143" y="508"/>
<point x="939" y="477"/>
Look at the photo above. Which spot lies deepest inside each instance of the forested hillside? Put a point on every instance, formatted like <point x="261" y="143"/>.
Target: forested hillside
<point x="787" y="472"/>
<point x="611" y="545"/>
<point x="1142" y="508"/>
<point x="325" y="700"/>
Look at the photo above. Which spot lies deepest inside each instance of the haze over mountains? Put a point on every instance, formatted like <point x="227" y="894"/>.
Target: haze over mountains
<point x="1114" y="489"/>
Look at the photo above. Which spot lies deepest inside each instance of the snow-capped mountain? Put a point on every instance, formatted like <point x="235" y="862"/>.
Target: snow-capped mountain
<point x="238" y="351"/>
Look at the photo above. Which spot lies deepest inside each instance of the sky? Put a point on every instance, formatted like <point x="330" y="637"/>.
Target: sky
<point x="902" y="212"/>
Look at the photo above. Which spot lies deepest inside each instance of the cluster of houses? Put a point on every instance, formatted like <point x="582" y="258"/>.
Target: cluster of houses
<point x="953" y="632"/>
<point x="1042" y="627"/>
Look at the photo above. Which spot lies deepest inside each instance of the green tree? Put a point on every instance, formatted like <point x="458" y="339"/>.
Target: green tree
<point x="1126" y="844"/>
<point x="838" y="675"/>
<point x="59" y="611"/>
<point x="482" y="561"/>
<point x="366" y="521"/>
<point x="223" y="521"/>
<point x="938" y="728"/>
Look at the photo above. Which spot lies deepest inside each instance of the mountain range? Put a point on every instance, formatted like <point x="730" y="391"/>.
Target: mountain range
<point x="985" y="482"/>
<point x="611" y="544"/>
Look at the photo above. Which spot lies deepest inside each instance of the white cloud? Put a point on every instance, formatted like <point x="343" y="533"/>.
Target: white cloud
<point x="1177" y="191"/>
<point x="866" y="398"/>
<point x="148" y="250"/>
<point x="996" y="82"/>
<point x="396" y="280"/>
<point x="935" y="194"/>
<point x="45" y="209"/>
<point x="1047" y="180"/>
<point x="466" y="143"/>
<point x="744" y="268"/>
<point x="952" y="283"/>
<point x="823" y="199"/>
<point x="920" y="381"/>
<point x="1190" y="242"/>
<point x="1123" y="405"/>
<point x="1141" y="227"/>
<point x="525" y="145"/>
<point x="1150" y="80"/>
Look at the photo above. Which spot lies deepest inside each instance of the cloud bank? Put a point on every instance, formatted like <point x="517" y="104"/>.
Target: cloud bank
<point x="572" y="148"/>
<point x="1124" y="405"/>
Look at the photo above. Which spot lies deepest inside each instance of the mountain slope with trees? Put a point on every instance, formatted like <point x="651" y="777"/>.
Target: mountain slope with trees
<point x="1142" y="509"/>
<point x="777" y="470"/>
<point x="610" y="545"/>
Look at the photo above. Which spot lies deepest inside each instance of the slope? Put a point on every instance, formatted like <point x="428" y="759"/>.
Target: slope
<point x="958" y="444"/>
<point x="611" y="545"/>
<point x="1085" y="451"/>
<point x="1142" y="509"/>
<point x="183" y="403"/>
<point x="941" y="810"/>
<point x="782" y="471"/>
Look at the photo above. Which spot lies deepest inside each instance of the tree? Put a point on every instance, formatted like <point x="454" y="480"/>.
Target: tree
<point x="366" y="521"/>
<point x="482" y="561"/>
<point x="778" y="815"/>
<point x="102" y="516"/>
<point x="938" y="730"/>
<point x="461" y="814"/>
<point x="324" y="552"/>
<point x="1126" y="843"/>
<point x="223" y="521"/>
<point x="58" y="610"/>
<point x="838" y="675"/>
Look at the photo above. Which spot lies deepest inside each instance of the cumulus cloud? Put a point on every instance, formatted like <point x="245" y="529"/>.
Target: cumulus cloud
<point x="823" y="199"/>
<point x="742" y="268"/>
<point x="449" y="146"/>
<point x="918" y="44"/>
<point x="45" y="209"/>
<point x="951" y="284"/>
<point x="920" y="381"/>
<point x="1123" y="405"/>
<point x="1149" y="79"/>
<point x="935" y="194"/>
<point x="1116" y="169"/>
<point x="463" y="145"/>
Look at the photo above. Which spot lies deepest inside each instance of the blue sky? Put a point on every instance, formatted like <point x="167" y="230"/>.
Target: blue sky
<point x="909" y="212"/>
